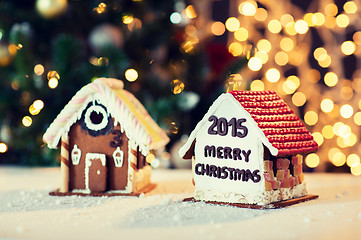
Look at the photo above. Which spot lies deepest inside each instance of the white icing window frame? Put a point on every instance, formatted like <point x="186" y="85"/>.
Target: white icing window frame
<point x="75" y="158"/>
<point x="97" y="109"/>
<point x="118" y="160"/>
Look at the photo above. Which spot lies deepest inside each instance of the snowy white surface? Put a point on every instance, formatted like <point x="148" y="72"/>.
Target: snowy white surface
<point x="28" y="212"/>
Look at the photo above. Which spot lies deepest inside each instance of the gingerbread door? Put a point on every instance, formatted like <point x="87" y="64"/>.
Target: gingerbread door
<point x="95" y="172"/>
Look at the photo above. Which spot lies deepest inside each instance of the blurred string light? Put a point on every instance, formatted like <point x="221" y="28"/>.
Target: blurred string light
<point x="176" y="18"/>
<point x="177" y="86"/>
<point x="131" y="75"/>
<point x="39" y="69"/>
<point x="101" y="8"/>
<point x="53" y="79"/>
<point x="281" y="40"/>
<point x="27" y="121"/>
<point x="3" y="148"/>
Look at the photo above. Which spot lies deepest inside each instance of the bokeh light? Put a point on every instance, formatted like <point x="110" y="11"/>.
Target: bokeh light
<point x="273" y="75"/>
<point x="177" y="86"/>
<point x="312" y="160"/>
<point x="218" y="28"/>
<point x="232" y="24"/>
<point x="3" y="147"/>
<point x="131" y="75"/>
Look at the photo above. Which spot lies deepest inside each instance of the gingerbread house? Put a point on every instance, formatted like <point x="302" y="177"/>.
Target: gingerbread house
<point x="248" y="149"/>
<point x="105" y="135"/>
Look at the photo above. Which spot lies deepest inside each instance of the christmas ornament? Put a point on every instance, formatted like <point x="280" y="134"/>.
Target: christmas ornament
<point x="104" y="36"/>
<point x="51" y="9"/>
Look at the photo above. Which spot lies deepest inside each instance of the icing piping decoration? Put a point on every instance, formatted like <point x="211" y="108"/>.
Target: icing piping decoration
<point x="75" y="155"/>
<point x="118" y="156"/>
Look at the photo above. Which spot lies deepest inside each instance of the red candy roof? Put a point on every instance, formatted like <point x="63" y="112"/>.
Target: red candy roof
<point x="278" y="122"/>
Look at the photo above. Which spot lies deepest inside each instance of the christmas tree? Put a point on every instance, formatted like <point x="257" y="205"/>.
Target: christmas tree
<point x="49" y="49"/>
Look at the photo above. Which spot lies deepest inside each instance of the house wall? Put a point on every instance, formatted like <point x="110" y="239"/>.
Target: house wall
<point x="117" y="177"/>
<point x="228" y="161"/>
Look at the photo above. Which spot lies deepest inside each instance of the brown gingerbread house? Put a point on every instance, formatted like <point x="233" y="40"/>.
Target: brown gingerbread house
<point x="248" y="149"/>
<point x="105" y="135"/>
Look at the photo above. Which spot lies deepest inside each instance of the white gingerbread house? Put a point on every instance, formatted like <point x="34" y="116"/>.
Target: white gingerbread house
<point x="247" y="149"/>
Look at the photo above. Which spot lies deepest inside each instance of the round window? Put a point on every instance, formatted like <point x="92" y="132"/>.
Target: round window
<point x="95" y="120"/>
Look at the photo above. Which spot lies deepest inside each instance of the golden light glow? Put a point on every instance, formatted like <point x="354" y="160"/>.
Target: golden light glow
<point x="290" y="29"/>
<point x="190" y="12"/>
<point x="299" y="99"/>
<point x="286" y="44"/>
<point x="318" y="138"/>
<point x="53" y="83"/>
<point x="27" y="121"/>
<point x="39" y="69"/>
<point x="346" y="92"/>
<point x="248" y="8"/>
<point x="3" y="148"/>
<point x="320" y="54"/>
<point x="346" y="111"/>
<point x="350" y="140"/>
<point x="254" y="64"/>
<point x="331" y="9"/>
<point x="218" y="28"/>
<point x="330" y="79"/>
<point x="342" y="20"/>
<point x="128" y="19"/>
<point x="273" y="75"/>
<point x="348" y="47"/>
<point x="150" y="157"/>
<point x="356" y="170"/>
<point x="101" y="8"/>
<point x="285" y="19"/>
<point x="274" y="26"/>
<point x="338" y="158"/>
<point x="301" y="26"/>
<point x="308" y="19"/>
<point x="36" y="107"/>
<point x="350" y="7"/>
<point x="264" y="45"/>
<point x="232" y="24"/>
<point x="311" y="118"/>
<point x="241" y="34"/>
<point x="327" y="132"/>
<point x="257" y="85"/>
<point x="313" y="76"/>
<point x="325" y="63"/>
<point x="330" y="22"/>
<point x="291" y="84"/>
<point x="312" y="160"/>
<point x="281" y="58"/>
<point x="53" y="74"/>
<point x="357" y="118"/>
<point x="236" y="49"/>
<point x="357" y="37"/>
<point x="327" y="105"/>
<point x="261" y="14"/>
<point x="131" y="75"/>
<point x="262" y="55"/>
<point x="341" y="129"/>
<point x="177" y="86"/>
<point x="318" y="19"/>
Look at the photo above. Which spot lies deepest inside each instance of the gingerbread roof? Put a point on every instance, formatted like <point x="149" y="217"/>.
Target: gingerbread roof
<point x="126" y="110"/>
<point x="279" y="129"/>
<point x="277" y="121"/>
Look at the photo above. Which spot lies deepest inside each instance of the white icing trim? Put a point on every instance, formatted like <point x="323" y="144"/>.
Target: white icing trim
<point x="75" y="155"/>
<point x="217" y="104"/>
<point x="88" y="163"/>
<point x="262" y="198"/>
<point x="118" y="160"/>
<point x="90" y="124"/>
